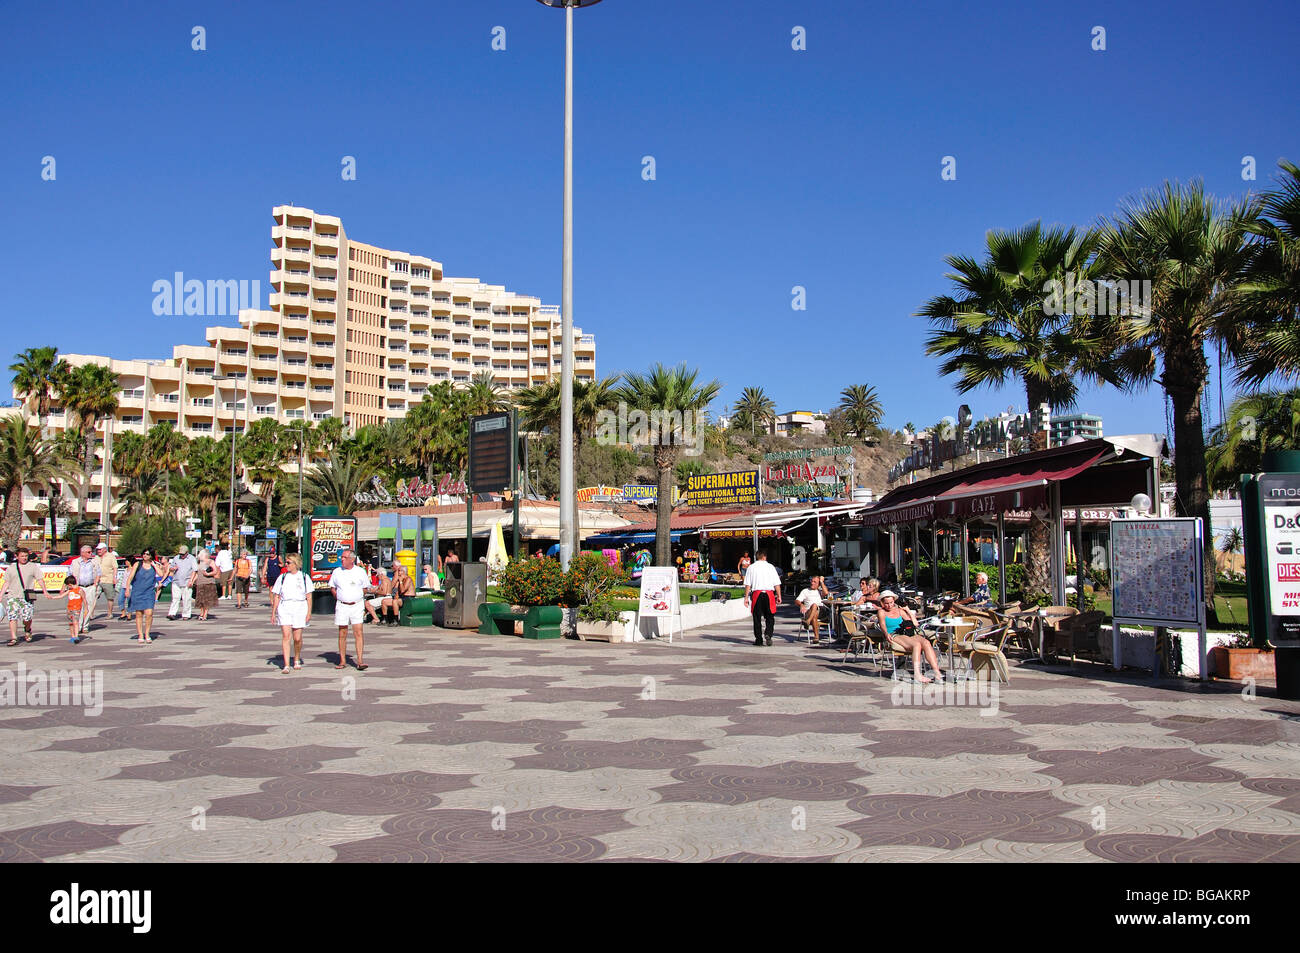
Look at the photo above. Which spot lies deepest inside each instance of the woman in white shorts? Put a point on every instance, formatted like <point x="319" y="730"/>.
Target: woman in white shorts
<point x="291" y="608"/>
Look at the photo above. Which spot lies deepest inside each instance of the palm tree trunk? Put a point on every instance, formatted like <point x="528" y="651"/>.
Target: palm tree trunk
<point x="1038" y="552"/>
<point x="1193" y="495"/>
<point x="270" y="499"/>
<point x="214" y="519"/>
<point x="665" y="458"/>
<point x="12" y="522"/>
<point x="83" y="498"/>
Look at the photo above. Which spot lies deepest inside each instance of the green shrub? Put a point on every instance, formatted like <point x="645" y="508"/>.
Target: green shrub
<point x="528" y="581"/>
<point x="600" y="609"/>
<point x="159" y="533"/>
<point x="590" y="576"/>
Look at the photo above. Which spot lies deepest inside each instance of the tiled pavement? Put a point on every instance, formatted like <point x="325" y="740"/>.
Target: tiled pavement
<point x="455" y="746"/>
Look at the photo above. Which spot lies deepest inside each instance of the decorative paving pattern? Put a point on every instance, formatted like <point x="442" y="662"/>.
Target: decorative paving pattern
<point x="460" y="747"/>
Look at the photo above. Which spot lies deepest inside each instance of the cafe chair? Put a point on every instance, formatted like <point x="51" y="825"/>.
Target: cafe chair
<point x="983" y="652"/>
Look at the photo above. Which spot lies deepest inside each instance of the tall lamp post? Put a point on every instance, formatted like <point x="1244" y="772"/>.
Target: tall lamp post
<point x="568" y="499"/>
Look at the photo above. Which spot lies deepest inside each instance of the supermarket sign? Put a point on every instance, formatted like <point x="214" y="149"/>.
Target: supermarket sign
<point x="722" y="489"/>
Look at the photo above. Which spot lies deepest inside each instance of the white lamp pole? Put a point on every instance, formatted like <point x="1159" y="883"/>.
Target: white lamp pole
<point x="568" y="498"/>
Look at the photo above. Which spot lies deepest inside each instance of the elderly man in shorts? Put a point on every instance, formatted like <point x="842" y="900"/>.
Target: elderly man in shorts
<point x="349" y="583"/>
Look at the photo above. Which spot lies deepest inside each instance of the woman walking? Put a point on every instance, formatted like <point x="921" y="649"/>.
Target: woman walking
<point x="205" y="585"/>
<point x="142" y="587"/>
<point x="22" y="578"/>
<point x="291" y="609"/>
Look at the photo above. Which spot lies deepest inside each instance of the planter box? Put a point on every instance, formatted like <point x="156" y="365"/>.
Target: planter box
<point x="621" y="631"/>
<point x="1240" y="664"/>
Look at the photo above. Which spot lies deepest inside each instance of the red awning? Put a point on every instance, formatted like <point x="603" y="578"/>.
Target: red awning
<point x="1023" y="487"/>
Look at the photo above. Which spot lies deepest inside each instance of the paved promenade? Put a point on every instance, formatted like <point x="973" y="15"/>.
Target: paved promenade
<point x="456" y="746"/>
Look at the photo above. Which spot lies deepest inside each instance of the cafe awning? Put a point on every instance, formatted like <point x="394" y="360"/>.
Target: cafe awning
<point x="1023" y="487"/>
<point x="778" y="522"/>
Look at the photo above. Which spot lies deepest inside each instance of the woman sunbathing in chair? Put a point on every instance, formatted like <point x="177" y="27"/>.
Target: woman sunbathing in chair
<point x="900" y="625"/>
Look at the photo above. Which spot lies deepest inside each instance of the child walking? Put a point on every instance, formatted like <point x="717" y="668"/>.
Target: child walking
<point x="76" y="600"/>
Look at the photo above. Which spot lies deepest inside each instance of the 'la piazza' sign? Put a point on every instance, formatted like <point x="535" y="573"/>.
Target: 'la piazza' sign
<point x="412" y="492"/>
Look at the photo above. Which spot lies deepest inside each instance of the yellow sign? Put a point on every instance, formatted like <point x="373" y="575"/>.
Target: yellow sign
<point x="723" y="489"/>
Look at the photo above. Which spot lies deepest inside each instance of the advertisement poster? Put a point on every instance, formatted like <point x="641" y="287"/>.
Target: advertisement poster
<point x="723" y="489"/>
<point x="1280" y="496"/>
<point x="659" y="593"/>
<point x="328" y="537"/>
<point x="1155" y="570"/>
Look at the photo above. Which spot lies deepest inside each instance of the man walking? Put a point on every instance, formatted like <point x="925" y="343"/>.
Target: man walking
<point x="762" y="596"/>
<point x="225" y="566"/>
<point x="107" y="577"/>
<point x="86" y="570"/>
<point x="183" y="568"/>
<point x="349" y="583"/>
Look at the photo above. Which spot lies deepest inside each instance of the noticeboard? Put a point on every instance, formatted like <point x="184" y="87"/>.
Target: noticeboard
<point x="1156" y="571"/>
<point x="490" y="458"/>
<point x="723" y="489"/>
<point x="1279" y="496"/>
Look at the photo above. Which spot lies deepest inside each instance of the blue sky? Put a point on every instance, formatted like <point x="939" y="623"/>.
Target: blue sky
<point x="775" y="168"/>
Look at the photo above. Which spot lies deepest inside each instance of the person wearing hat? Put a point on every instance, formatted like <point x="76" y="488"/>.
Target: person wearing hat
<point x="107" y="577"/>
<point x="183" y="570"/>
<point x="900" y="627"/>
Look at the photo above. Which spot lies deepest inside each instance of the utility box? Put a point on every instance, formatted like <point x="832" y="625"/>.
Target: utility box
<point x="465" y="589"/>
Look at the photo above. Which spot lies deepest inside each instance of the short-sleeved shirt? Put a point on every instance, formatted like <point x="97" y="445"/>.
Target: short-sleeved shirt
<point x="762" y="576"/>
<point x="107" y="567"/>
<point x="87" y="571"/>
<point x="184" y="569"/>
<point x="349" y="585"/>
<point x="810" y="597"/>
<point x="243" y="567"/>
<point x="981" y="593"/>
<point x="291" y="586"/>
<point x="224" y="561"/>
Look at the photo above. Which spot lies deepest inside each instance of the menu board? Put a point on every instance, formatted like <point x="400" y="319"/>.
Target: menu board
<point x="659" y="593"/>
<point x="1156" y="570"/>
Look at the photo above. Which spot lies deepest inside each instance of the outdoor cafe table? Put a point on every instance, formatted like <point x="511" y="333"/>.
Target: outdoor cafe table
<point x="952" y="623"/>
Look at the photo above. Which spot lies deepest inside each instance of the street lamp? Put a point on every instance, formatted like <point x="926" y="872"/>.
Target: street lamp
<point x="568" y="498"/>
<point x="234" y="432"/>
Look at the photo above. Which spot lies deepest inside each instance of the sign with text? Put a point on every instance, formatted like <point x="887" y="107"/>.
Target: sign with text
<point x="1155" y="570"/>
<point x="490" y="456"/>
<point x="412" y="492"/>
<point x="327" y="537"/>
<point x="722" y="489"/>
<point x="659" y="593"/>
<point x="1279" y="495"/>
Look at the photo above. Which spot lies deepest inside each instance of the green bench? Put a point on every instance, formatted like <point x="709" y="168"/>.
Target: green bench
<point x="540" y="622"/>
<point x="417" y="610"/>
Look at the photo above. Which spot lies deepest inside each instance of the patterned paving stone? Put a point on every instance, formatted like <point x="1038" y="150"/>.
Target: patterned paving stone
<point x="738" y="755"/>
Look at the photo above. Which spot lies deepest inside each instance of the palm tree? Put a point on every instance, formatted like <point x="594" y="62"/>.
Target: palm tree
<point x="90" y="392"/>
<point x="486" y="396"/>
<point x="999" y="329"/>
<point x="436" y="430"/>
<point x="1269" y="296"/>
<point x="39" y="374"/>
<point x="539" y="407"/>
<point x="334" y="482"/>
<point x="261" y="451"/>
<point x="862" y="408"/>
<point x="144" y="495"/>
<point x="165" y="449"/>
<point x="1255" y="424"/>
<point x="207" y="470"/>
<point x="1194" y="250"/>
<point x="130" y="454"/>
<point x="329" y="434"/>
<point x="755" y="406"/>
<point x="26" y="459"/>
<point x="668" y="390"/>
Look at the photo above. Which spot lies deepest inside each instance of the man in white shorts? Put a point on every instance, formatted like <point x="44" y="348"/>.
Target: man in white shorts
<point x="349" y="583"/>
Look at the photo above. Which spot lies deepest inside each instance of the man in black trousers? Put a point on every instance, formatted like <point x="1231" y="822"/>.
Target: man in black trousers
<point x="762" y="596"/>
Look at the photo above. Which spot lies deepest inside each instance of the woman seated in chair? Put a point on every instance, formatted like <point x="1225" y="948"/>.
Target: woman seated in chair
<point x="867" y="600"/>
<point x="899" y="624"/>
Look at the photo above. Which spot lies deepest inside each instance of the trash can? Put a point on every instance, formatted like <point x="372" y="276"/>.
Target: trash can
<point x="465" y="590"/>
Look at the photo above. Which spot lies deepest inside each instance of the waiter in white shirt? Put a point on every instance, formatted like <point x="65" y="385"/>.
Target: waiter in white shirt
<point x="762" y="596"/>
<point x="349" y="583"/>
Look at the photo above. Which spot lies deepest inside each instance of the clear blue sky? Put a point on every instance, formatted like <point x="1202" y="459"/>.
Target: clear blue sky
<point x="775" y="168"/>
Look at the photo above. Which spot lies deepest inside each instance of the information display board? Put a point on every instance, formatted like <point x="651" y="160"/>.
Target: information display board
<point x="1279" y="495"/>
<point x="1157" y="579"/>
<point x="490" y="458"/>
<point x="1156" y="570"/>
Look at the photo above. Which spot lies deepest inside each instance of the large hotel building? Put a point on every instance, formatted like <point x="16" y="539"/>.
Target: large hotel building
<point x="353" y="331"/>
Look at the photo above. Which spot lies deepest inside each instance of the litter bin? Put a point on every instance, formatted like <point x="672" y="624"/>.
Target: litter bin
<point x="465" y="590"/>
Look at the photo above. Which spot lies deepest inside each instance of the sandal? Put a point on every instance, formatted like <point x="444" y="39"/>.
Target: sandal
<point x="11" y="643"/>
<point x="341" y="665"/>
<point x="297" y="663"/>
<point x="285" y="670"/>
<point x="361" y="668"/>
<point x="27" y="638"/>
